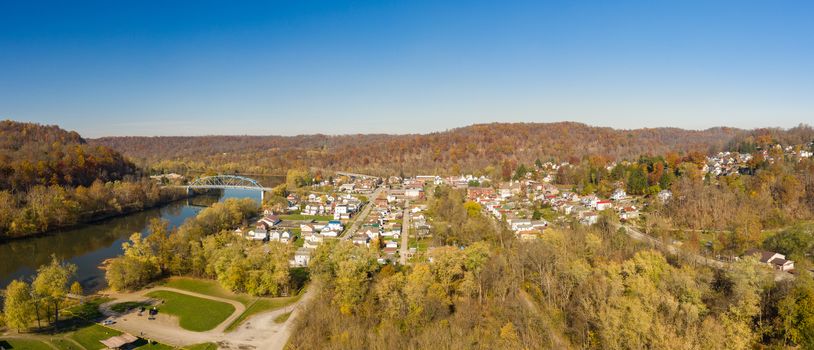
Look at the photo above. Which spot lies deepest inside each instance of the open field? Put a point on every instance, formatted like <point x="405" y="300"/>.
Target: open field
<point x="194" y="314"/>
<point x="254" y="305"/>
<point x="127" y="306"/>
<point x="262" y="305"/>
<point x="89" y="337"/>
<point x="27" y="344"/>
<point x="208" y="287"/>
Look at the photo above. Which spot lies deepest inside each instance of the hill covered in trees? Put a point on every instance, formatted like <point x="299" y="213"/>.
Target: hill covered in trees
<point x="471" y="148"/>
<point x="33" y="154"/>
<point x="51" y="178"/>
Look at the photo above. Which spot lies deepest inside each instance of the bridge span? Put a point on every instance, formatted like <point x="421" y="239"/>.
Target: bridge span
<point x="226" y="182"/>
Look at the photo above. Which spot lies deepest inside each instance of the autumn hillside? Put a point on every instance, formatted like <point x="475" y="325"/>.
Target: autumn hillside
<point x="466" y="149"/>
<point x="33" y="154"/>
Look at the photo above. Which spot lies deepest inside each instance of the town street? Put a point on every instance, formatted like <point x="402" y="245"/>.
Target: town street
<point x="360" y="219"/>
<point x="405" y="233"/>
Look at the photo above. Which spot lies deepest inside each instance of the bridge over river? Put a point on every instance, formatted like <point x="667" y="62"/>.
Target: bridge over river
<point x="226" y="182"/>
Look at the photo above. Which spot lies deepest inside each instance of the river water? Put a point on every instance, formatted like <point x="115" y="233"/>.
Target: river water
<point x="89" y="245"/>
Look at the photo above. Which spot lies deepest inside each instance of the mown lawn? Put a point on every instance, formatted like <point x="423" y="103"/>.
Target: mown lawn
<point x="208" y="287"/>
<point x="64" y="344"/>
<point x="194" y="314"/>
<point x="262" y="305"/>
<point x="90" y="336"/>
<point x="204" y="346"/>
<point x="27" y="344"/>
<point x="283" y="317"/>
<point x="142" y="344"/>
<point x="127" y="306"/>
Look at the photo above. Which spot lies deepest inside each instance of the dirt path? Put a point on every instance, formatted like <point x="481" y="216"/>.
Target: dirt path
<point x="258" y="332"/>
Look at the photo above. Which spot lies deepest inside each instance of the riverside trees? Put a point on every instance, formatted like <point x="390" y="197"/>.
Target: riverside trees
<point x="204" y="247"/>
<point x="43" y="297"/>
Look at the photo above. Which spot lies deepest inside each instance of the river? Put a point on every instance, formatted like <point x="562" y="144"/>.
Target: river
<point x="89" y="245"/>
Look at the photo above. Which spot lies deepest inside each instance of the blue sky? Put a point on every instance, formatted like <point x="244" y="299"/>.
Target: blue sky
<point x="338" y="67"/>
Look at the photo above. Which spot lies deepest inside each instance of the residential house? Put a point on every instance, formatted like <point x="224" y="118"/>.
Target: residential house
<point x="603" y="204"/>
<point x="775" y="260"/>
<point x="258" y="234"/>
<point x="618" y="194"/>
<point x="361" y="239"/>
<point x="335" y="225"/>
<point x="302" y="256"/>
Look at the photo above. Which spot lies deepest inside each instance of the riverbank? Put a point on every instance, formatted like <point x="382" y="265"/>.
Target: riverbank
<point x="130" y="210"/>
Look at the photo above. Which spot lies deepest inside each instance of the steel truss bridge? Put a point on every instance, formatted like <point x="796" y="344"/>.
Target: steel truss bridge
<point x="226" y="182"/>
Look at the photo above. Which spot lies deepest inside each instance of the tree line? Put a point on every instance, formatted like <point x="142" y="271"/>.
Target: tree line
<point x="43" y="208"/>
<point x="204" y="246"/>
<point x="52" y="178"/>
<point x="41" y="299"/>
<point x="467" y="149"/>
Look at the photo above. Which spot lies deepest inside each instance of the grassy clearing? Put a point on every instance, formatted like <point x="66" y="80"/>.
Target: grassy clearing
<point x="127" y="306"/>
<point x="64" y="344"/>
<point x="260" y="306"/>
<point x="89" y="337"/>
<point x="420" y="244"/>
<point x="208" y="287"/>
<point x="27" y="344"/>
<point x="194" y="314"/>
<point x="142" y="344"/>
<point x="283" y="317"/>
<point x="88" y="310"/>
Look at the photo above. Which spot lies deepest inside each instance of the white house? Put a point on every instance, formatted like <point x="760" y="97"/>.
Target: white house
<point x="362" y="240"/>
<point x="602" y="205"/>
<point x="335" y="225"/>
<point x="775" y="260"/>
<point x="520" y="224"/>
<point x="329" y="233"/>
<point x="257" y="234"/>
<point x="618" y="194"/>
<point x="413" y="192"/>
<point x="302" y="256"/>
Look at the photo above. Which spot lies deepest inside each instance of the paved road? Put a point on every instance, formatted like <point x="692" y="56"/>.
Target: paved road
<point x="699" y="259"/>
<point x="405" y="233"/>
<point x="363" y="215"/>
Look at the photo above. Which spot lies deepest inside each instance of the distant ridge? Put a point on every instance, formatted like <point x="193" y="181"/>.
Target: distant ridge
<point x="467" y="148"/>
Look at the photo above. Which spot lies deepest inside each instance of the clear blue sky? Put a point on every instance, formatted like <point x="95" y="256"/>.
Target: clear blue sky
<point x="239" y="67"/>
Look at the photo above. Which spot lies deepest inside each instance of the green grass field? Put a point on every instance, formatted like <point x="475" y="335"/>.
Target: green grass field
<point x="194" y="314"/>
<point x="262" y="305"/>
<point x="208" y="287"/>
<point x="127" y="306"/>
<point x="283" y="317"/>
<point x="204" y="346"/>
<point x="142" y="344"/>
<point x="23" y="344"/>
<point x="88" y="310"/>
<point x="89" y="337"/>
<point x="64" y="344"/>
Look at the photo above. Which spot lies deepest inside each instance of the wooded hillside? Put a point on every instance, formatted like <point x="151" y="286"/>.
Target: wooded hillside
<point x="33" y="154"/>
<point x="469" y="148"/>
